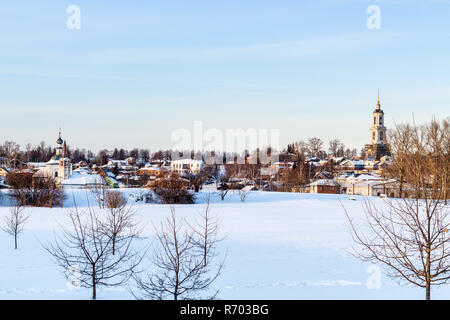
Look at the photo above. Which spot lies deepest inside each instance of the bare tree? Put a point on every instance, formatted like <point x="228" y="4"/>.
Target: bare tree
<point x="400" y="141"/>
<point x="410" y="237"/>
<point x="180" y="270"/>
<point x="98" y="194"/>
<point x="120" y="221"/>
<point x="15" y="222"/>
<point x="336" y="148"/>
<point x="206" y="233"/>
<point x="446" y="157"/>
<point x="12" y="151"/>
<point x="315" y="146"/>
<point x="87" y="246"/>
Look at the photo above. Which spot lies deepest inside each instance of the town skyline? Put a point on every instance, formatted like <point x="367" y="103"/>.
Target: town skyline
<point x="308" y="69"/>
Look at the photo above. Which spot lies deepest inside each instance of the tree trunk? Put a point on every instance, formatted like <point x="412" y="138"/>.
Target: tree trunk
<point x="94" y="288"/>
<point x="400" y="191"/>
<point x="428" y="291"/>
<point x="15" y="241"/>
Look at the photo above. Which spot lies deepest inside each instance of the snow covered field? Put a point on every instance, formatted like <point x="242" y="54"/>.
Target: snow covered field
<point x="279" y="246"/>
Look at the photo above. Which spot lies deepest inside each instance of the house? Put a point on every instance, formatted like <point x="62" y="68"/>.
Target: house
<point x="187" y="165"/>
<point x="3" y="184"/>
<point x="131" y="161"/>
<point x="280" y="166"/>
<point x="81" y="164"/>
<point x="35" y="166"/>
<point x="4" y="171"/>
<point x="323" y="174"/>
<point x="149" y="171"/>
<point x="367" y="185"/>
<point x="374" y="188"/>
<point x="113" y="183"/>
<point x="324" y="186"/>
<point x="351" y="165"/>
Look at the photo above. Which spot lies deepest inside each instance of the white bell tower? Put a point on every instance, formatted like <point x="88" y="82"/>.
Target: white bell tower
<point x="378" y="130"/>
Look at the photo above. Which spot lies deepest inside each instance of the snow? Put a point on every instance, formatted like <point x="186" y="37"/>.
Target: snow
<point x="324" y="182"/>
<point x="277" y="246"/>
<point x="80" y="179"/>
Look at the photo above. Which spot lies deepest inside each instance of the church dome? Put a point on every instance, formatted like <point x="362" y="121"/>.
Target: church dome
<point x="59" y="141"/>
<point x="378" y="111"/>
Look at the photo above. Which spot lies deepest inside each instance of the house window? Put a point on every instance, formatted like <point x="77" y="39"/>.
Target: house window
<point x="374" y="120"/>
<point x="381" y="135"/>
<point x="373" y="135"/>
<point x="381" y="121"/>
<point x="56" y="174"/>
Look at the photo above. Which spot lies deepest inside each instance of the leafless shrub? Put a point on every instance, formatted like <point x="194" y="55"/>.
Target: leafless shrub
<point x="243" y="194"/>
<point x="115" y="200"/>
<point x="223" y="190"/>
<point x="39" y="192"/>
<point x="15" y="222"/>
<point x="174" y="190"/>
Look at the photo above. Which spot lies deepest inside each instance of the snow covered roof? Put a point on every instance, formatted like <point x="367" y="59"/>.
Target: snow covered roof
<point x="82" y="179"/>
<point x="366" y="177"/>
<point x="25" y="171"/>
<point x="36" y="164"/>
<point x="118" y="162"/>
<point x="352" y="162"/>
<point x="81" y="170"/>
<point x="324" y="182"/>
<point x="150" y="168"/>
<point x="52" y="162"/>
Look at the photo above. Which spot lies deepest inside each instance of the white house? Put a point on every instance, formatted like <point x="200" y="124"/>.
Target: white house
<point x="367" y="185"/>
<point x="187" y="165"/>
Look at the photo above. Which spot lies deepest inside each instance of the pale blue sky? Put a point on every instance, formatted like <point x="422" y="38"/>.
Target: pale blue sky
<point x="137" y="70"/>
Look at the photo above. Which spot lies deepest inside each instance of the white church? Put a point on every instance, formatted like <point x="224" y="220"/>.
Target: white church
<point x="59" y="167"/>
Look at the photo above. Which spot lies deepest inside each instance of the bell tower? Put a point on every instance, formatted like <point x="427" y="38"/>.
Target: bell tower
<point x="378" y="130"/>
<point x="378" y="140"/>
<point x="65" y="165"/>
